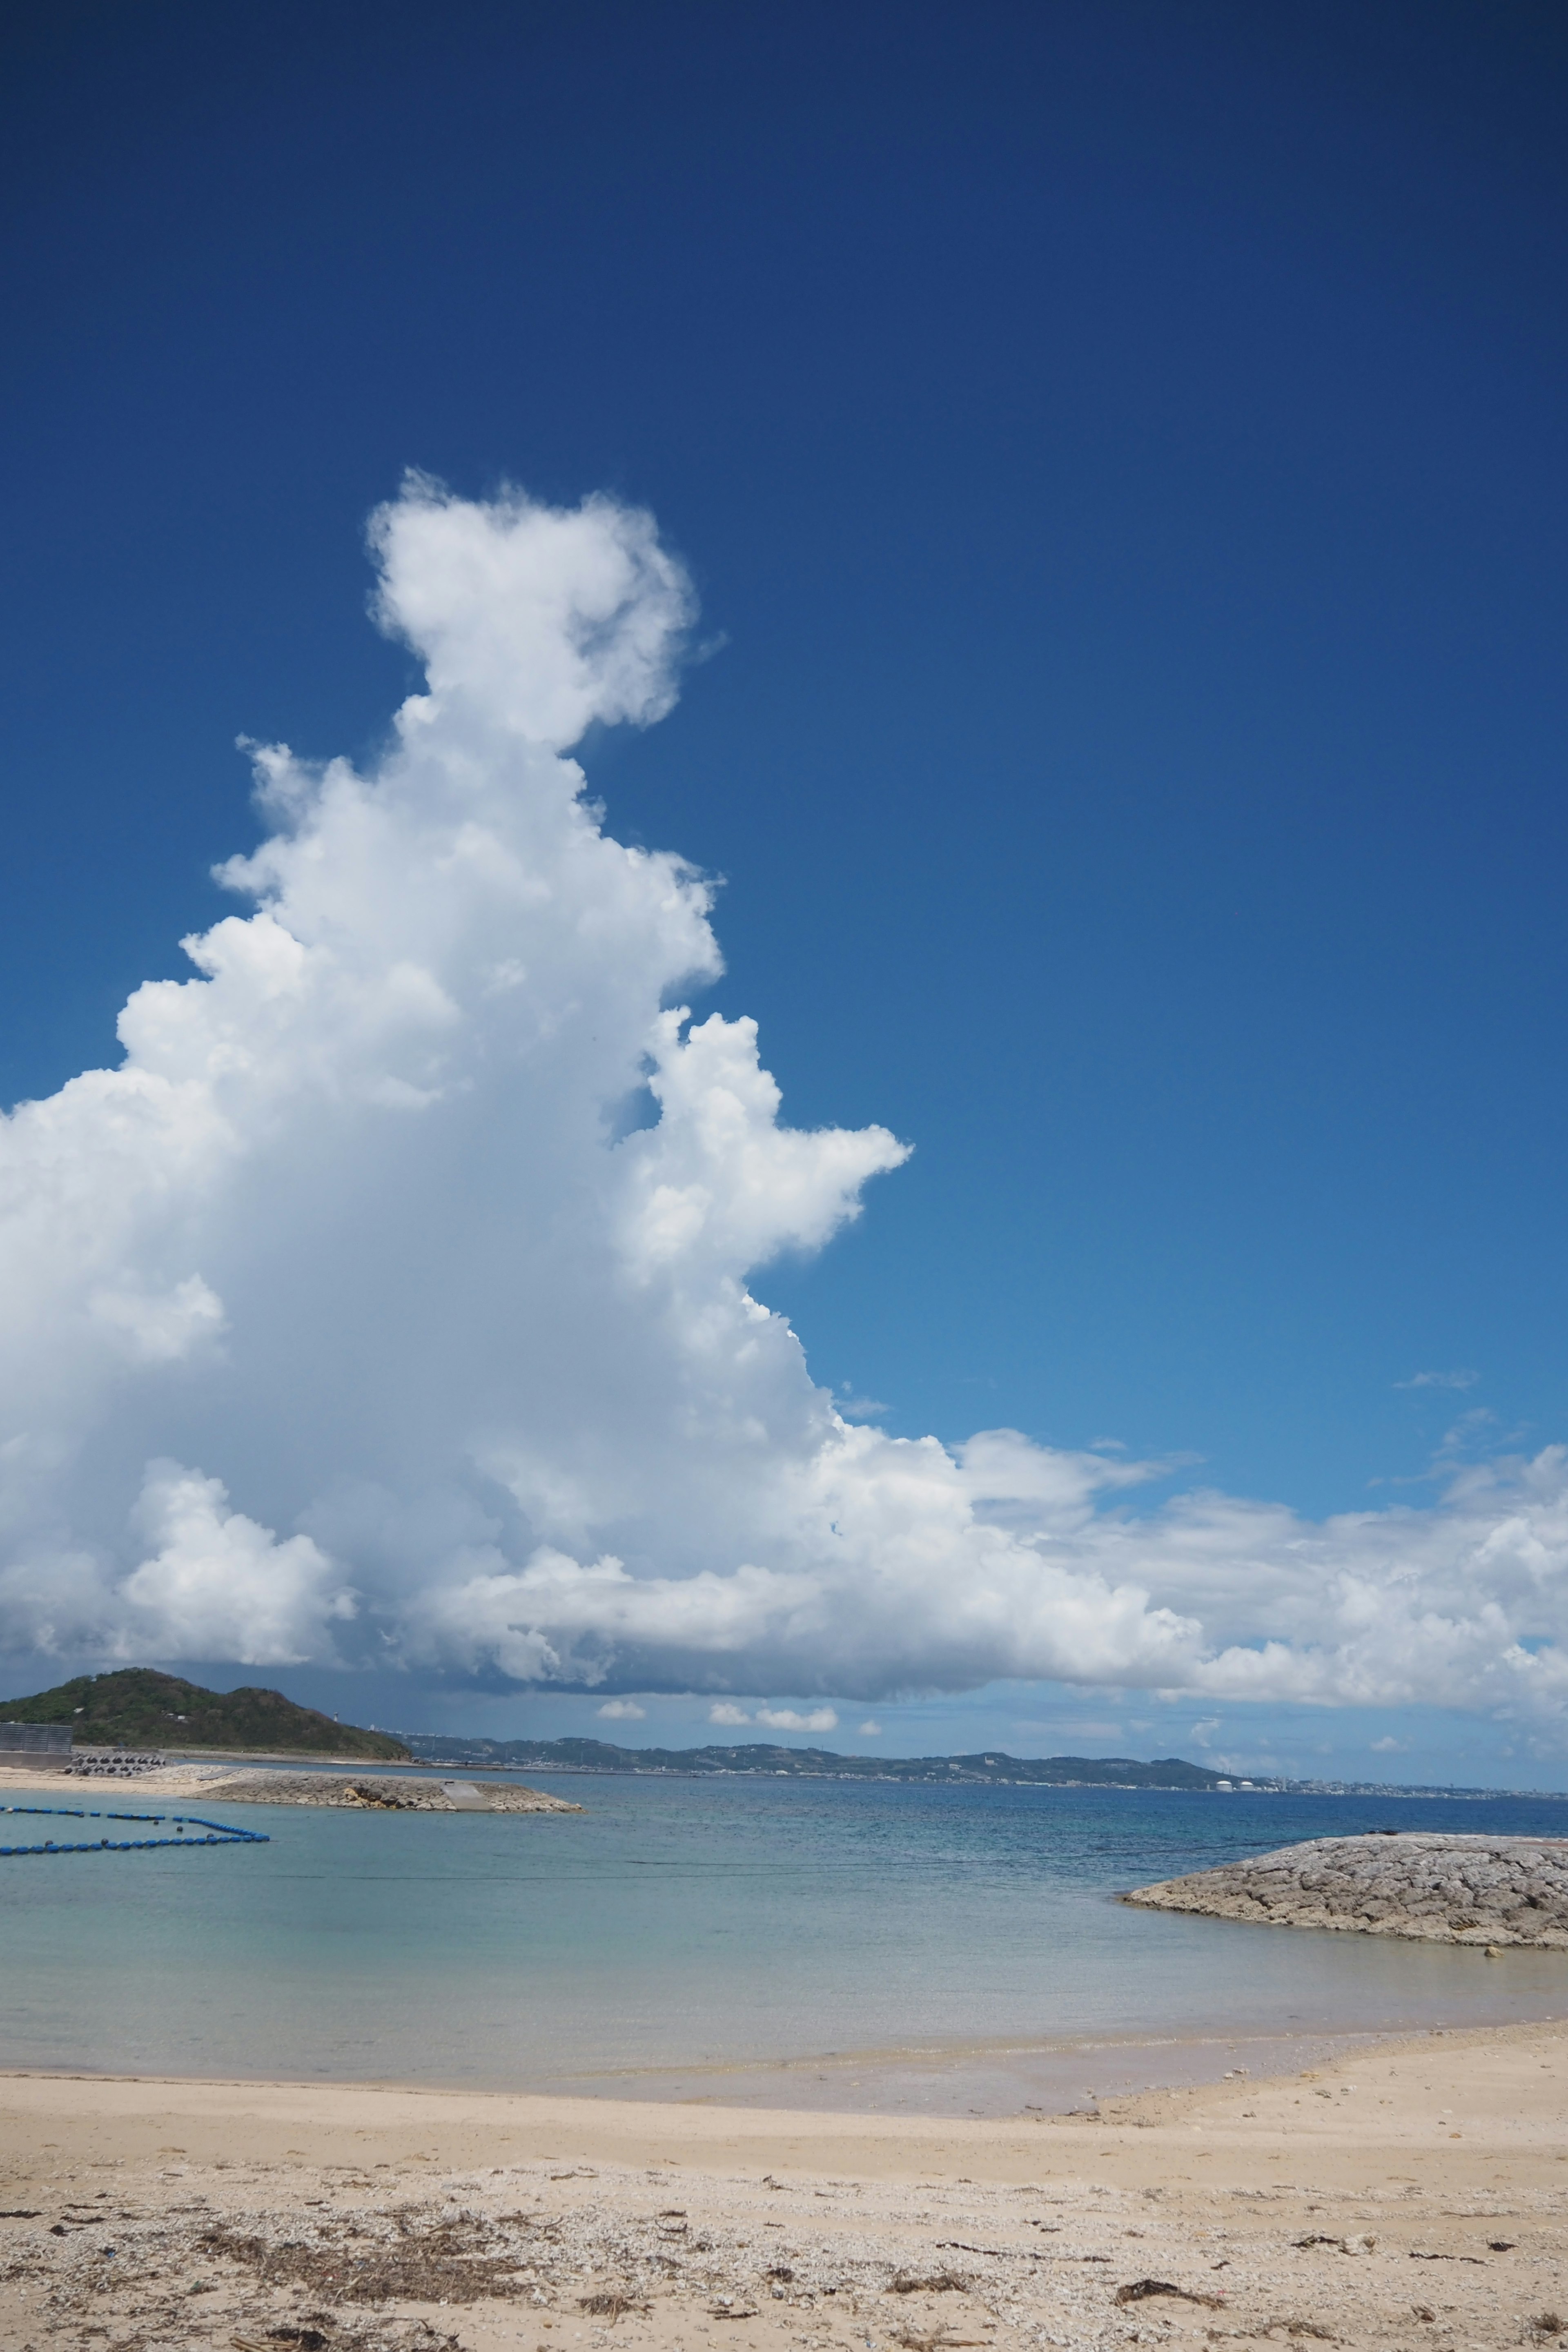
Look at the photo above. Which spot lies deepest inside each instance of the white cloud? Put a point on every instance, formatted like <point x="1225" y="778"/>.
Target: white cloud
<point x="870" y="1730"/>
<point x="159" y="1327"/>
<point x="463" y="1359"/>
<point x="623" y="1710"/>
<point x="230" y="1584"/>
<point x="1439" y="1381"/>
<point x="529" y="618"/>
<point x="774" y="1718"/>
<point x="1389" y="1745"/>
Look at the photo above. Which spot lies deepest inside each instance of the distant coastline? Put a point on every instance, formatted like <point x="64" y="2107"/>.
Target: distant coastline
<point x="991" y="1765"/>
<point x="776" y="1762"/>
<point x="164" y="1718"/>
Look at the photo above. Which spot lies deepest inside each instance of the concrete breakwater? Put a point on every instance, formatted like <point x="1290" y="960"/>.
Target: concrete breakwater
<point x="1441" y="1889"/>
<point x="382" y="1792"/>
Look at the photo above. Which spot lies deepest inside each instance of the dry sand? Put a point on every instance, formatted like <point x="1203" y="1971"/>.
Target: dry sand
<point x="19" y="1786"/>
<point x="345" y="1787"/>
<point x="1417" y="2195"/>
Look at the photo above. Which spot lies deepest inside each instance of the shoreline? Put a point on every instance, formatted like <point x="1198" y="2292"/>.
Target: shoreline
<point x="1485" y="2056"/>
<point x="1487" y="2066"/>
<point x="339" y="1786"/>
<point x="1081" y="2076"/>
<point x="1052" y="2060"/>
<point x="1414" y="2193"/>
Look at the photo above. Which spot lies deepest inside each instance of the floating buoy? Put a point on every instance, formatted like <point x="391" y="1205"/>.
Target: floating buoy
<point x="218" y="1833"/>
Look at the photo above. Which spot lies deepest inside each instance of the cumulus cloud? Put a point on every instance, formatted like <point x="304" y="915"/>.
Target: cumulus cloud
<point x="774" y="1718"/>
<point x="1460" y="1379"/>
<point x="623" y="1710"/>
<point x="231" y="1584"/>
<point x="395" y="1299"/>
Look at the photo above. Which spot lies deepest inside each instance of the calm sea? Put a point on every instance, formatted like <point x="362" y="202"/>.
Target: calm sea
<point x="795" y="1942"/>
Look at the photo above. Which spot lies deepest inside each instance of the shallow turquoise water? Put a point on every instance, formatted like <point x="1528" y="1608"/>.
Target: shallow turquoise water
<point x="683" y="1925"/>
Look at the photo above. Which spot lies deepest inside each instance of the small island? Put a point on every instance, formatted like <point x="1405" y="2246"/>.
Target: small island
<point x="1436" y="1887"/>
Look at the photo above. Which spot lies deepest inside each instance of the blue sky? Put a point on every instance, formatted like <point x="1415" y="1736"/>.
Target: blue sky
<point x="1118" y="453"/>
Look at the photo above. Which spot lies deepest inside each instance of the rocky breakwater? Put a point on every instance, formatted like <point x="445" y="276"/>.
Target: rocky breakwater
<point x="383" y="1792"/>
<point x="1489" y="1891"/>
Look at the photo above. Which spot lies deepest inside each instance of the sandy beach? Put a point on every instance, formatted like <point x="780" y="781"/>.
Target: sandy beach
<point x="1415" y="2195"/>
<point x="22" y="1786"/>
<point x="339" y="1786"/>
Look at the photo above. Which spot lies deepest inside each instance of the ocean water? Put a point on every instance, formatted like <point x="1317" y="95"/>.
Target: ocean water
<point x="797" y="1942"/>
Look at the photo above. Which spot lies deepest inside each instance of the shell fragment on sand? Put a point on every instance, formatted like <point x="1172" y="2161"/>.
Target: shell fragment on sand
<point x="1440" y="1889"/>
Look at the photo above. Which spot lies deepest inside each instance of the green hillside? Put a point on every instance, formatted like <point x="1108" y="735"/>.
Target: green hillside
<point x="138" y="1707"/>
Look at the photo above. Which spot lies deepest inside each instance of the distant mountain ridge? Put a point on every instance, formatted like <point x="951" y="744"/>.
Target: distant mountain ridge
<point x="139" y="1707"/>
<point x="823" y="1763"/>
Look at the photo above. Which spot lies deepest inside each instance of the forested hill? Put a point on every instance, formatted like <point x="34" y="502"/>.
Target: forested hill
<point x="139" y="1707"/>
<point x="816" y="1763"/>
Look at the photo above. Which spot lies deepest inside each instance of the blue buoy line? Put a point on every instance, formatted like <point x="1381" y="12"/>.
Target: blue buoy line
<point x="217" y="1832"/>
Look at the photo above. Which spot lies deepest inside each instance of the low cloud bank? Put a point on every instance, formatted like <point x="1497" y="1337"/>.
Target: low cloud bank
<point x="362" y="1315"/>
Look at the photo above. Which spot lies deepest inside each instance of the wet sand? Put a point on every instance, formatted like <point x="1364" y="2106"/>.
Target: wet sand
<point x="1005" y="2080"/>
<point x="1414" y="2193"/>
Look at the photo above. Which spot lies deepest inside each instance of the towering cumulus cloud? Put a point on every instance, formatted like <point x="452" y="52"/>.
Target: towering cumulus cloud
<point x="389" y="1302"/>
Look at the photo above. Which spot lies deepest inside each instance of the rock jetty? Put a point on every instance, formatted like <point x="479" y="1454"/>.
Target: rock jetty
<point x="1489" y="1891"/>
<point x="382" y="1792"/>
